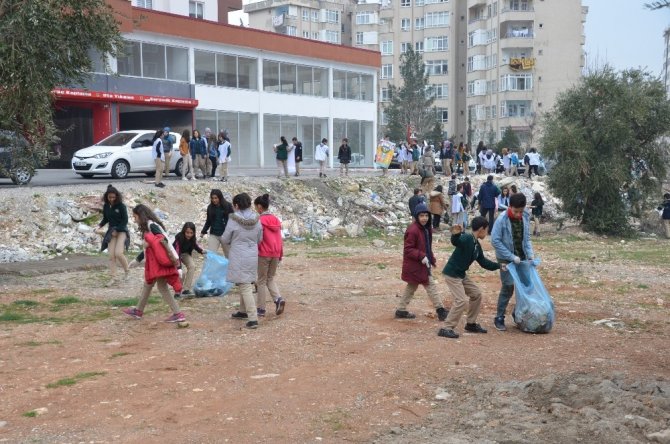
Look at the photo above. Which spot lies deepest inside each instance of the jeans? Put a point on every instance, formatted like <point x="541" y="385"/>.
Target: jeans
<point x="506" y="292"/>
<point x="492" y="214"/>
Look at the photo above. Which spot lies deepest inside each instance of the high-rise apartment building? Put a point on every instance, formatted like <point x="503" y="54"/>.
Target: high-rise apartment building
<point x="666" y="61"/>
<point x="493" y="64"/>
<point x="213" y="10"/>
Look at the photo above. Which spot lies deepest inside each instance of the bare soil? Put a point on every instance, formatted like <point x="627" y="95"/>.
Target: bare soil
<point x="336" y="366"/>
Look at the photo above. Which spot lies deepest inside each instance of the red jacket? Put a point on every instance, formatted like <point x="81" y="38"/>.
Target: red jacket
<point x="154" y="256"/>
<point x="413" y="271"/>
<point x="272" y="244"/>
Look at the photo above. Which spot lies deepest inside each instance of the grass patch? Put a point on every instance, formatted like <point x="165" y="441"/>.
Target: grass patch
<point x="25" y="303"/>
<point x="72" y="381"/>
<point x="37" y="343"/>
<point x="30" y="414"/>
<point x="43" y="291"/>
<point x="91" y="220"/>
<point x="324" y="254"/>
<point x="67" y="300"/>
<point x="118" y="355"/>
<point x="381" y="266"/>
<point x="9" y="316"/>
<point x="643" y="286"/>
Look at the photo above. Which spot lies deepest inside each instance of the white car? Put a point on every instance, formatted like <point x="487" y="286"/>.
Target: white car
<point x="123" y="153"/>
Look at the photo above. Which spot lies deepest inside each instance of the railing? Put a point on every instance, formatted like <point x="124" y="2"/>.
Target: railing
<point x="528" y="8"/>
<point x="518" y="35"/>
<point x="477" y="19"/>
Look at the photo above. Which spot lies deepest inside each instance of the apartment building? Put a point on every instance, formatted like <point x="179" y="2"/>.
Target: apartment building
<point x="213" y="10"/>
<point x="666" y="61"/>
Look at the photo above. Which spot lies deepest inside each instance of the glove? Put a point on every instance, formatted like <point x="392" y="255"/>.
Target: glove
<point x="425" y="261"/>
<point x="517" y="260"/>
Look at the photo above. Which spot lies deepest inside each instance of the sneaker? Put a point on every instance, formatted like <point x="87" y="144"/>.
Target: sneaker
<point x="177" y="317"/>
<point x="404" y="314"/>
<point x="442" y="313"/>
<point x="133" y="312"/>
<point x="260" y="312"/>
<point x="475" y="328"/>
<point x="500" y="323"/>
<point x="252" y="324"/>
<point x="280" y="303"/>
<point x="239" y="315"/>
<point x="184" y="178"/>
<point x="177" y="296"/>
<point x="160" y="185"/>
<point x="447" y="333"/>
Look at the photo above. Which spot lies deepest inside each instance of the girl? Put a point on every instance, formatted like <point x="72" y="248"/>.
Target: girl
<point x="184" y="243"/>
<point x="158" y="154"/>
<point x="218" y="211"/>
<point x="158" y="267"/>
<point x="224" y="155"/>
<point x="187" y="162"/>
<point x="282" y="156"/>
<point x="116" y="239"/>
<point x="536" y="211"/>
<point x="242" y="237"/>
<point x="297" y="151"/>
<point x="270" y="253"/>
<point x="457" y="209"/>
<point x="503" y="199"/>
<point x="437" y="206"/>
<point x="198" y="148"/>
<point x="344" y="156"/>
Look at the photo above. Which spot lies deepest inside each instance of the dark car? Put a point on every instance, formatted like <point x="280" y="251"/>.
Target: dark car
<point x="9" y="143"/>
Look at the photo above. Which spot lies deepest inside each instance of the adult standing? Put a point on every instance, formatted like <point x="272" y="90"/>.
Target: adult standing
<point x="198" y="148"/>
<point x="416" y="156"/>
<point x="159" y="157"/>
<point x="116" y="239"/>
<point x="665" y="215"/>
<point x="344" y="156"/>
<point x="507" y="161"/>
<point x="168" y="144"/>
<point x="281" y="151"/>
<point x="437" y="206"/>
<point x="297" y="153"/>
<point x="480" y="148"/>
<point x="321" y="153"/>
<point x="447" y="157"/>
<point x="488" y="193"/>
<point x="187" y="160"/>
<point x="533" y="162"/>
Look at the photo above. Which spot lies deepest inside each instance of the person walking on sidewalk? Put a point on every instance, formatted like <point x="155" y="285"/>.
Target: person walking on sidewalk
<point x="218" y="212"/>
<point x="116" y="239"/>
<point x="461" y="287"/>
<point x="159" y="267"/>
<point x="184" y="244"/>
<point x="321" y="153"/>
<point x="417" y="262"/>
<point x="270" y="254"/>
<point x="344" y="156"/>
<point x="168" y="143"/>
<point x="187" y="159"/>
<point x="158" y="156"/>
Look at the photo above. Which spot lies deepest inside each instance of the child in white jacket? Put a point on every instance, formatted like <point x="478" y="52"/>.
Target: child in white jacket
<point x="457" y="210"/>
<point x="224" y="157"/>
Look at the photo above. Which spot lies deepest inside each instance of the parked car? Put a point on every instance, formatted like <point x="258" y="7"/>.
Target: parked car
<point x="123" y="153"/>
<point x="9" y="142"/>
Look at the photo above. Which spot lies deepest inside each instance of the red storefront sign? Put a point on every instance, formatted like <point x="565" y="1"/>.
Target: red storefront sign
<point x="135" y="99"/>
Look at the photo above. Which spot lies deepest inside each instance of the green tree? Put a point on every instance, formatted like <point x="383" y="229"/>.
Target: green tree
<point x="657" y="4"/>
<point x="45" y="44"/>
<point x="606" y="136"/>
<point x="510" y="139"/>
<point x="411" y="104"/>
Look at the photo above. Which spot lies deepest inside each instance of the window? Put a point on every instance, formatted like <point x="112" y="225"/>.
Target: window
<point x="332" y="36"/>
<point x="516" y="82"/>
<point x="405" y="24"/>
<point x="196" y="9"/>
<point x="433" y="44"/>
<point x="387" y="71"/>
<point x="439" y="91"/>
<point x="176" y="60"/>
<point x="477" y="87"/>
<point x="418" y="46"/>
<point x="224" y="70"/>
<point x="291" y="30"/>
<point x="419" y="22"/>
<point x="404" y="47"/>
<point x="287" y="78"/>
<point x="305" y="34"/>
<point x="384" y="118"/>
<point x="418" y="2"/>
<point x="315" y="36"/>
<point x="405" y="3"/>
<point x="332" y="16"/>
<point x="305" y="14"/>
<point x="436" y="67"/>
<point x="365" y="18"/>
<point x="130" y="62"/>
<point x="315" y="15"/>
<point x="145" y="4"/>
<point x="385" y="95"/>
<point x="247" y="73"/>
<point x="387" y="47"/>
<point x="443" y="114"/>
<point x="437" y="19"/>
<point x="154" y="61"/>
<point x="359" y="38"/>
<point x="432" y="2"/>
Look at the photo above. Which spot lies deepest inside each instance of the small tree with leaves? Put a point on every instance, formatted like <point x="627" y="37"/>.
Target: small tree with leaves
<point x="510" y="139"/>
<point x="45" y="44"/>
<point x="606" y="136"/>
<point x="411" y="104"/>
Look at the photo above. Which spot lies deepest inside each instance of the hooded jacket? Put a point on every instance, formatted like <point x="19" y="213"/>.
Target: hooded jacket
<point x="243" y="234"/>
<point x="417" y="239"/>
<point x="437" y="203"/>
<point x="272" y="244"/>
<point x="155" y="256"/>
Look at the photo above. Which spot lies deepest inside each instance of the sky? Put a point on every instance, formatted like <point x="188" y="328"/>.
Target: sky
<point x="624" y="34"/>
<point x="621" y="33"/>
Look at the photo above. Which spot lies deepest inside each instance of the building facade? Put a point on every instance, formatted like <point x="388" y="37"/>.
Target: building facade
<point x="666" y="61"/>
<point x="187" y="73"/>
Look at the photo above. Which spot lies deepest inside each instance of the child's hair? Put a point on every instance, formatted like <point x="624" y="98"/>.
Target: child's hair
<point x="666" y="196"/>
<point x="324" y="140"/>
<point x="242" y="200"/>
<point x="513" y="189"/>
<point x="479" y="222"/>
<point x="295" y="139"/>
<point x="186" y="134"/>
<point x="187" y="226"/>
<point x="112" y="190"/>
<point x="459" y="187"/>
<point x="196" y="130"/>
<point x="517" y="200"/>
<point x="216" y="192"/>
<point x="157" y="135"/>
<point x="283" y="140"/>
<point x="538" y="196"/>
<point x="145" y="215"/>
<point x="181" y="237"/>
<point x="505" y="189"/>
<point x="263" y="201"/>
<point x="417" y="191"/>
<point x="439" y="188"/>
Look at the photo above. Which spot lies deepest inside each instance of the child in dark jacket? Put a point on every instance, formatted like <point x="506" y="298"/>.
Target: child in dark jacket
<point x="462" y="288"/>
<point x="665" y="215"/>
<point x="417" y="261"/>
<point x="270" y="253"/>
<point x="184" y="244"/>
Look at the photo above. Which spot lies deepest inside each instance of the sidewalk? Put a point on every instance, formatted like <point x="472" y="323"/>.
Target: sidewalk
<point x="65" y="263"/>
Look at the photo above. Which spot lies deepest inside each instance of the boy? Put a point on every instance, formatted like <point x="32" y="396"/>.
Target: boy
<point x="417" y="261"/>
<point x="462" y="288"/>
<point x="511" y="239"/>
<point x="417" y="198"/>
<point x="665" y="215"/>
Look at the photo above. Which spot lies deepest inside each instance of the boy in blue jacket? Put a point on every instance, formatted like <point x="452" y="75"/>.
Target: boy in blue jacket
<point x="511" y="239"/>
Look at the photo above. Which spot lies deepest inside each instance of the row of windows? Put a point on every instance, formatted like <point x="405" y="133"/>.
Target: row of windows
<point x="225" y="70"/>
<point x="508" y="82"/>
<point x="429" y="20"/>
<point x="153" y="61"/>
<point x="429" y="44"/>
<point x="482" y="37"/>
<point x="408" y="3"/>
<point x="482" y="62"/>
<point x="196" y="9"/>
<point x="352" y="85"/>
<point x="432" y="68"/>
<point x="318" y="15"/>
<point x="507" y="109"/>
<point x="438" y="91"/>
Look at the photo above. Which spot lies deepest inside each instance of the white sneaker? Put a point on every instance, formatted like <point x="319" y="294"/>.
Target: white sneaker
<point x="184" y="178"/>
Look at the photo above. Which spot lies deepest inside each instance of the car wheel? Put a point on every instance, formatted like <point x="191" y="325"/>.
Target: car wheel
<point x="86" y="176"/>
<point x="120" y="169"/>
<point x="178" y="166"/>
<point x="21" y="176"/>
<point x="150" y="173"/>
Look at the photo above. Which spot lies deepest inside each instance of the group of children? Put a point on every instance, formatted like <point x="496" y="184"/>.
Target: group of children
<point x="251" y="240"/>
<point x="510" y="238"/>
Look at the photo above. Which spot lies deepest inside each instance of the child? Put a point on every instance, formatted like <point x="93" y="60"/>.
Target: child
<point x="503" y="199"/>
<point x="665" y="215"/>
<point x="415" y="200"/>
<point x="116" y="239"/>
<point x="158" y="268"/>
<point x="536" y="210"/>
<point x="184" y="244"/>
<point x="281" y="150"/>
<point x="511" y="239"/>
<point x="457" y="208"/>
<point x="462" y="288"/>
<point x="270" y="253"/>
<point x="344" y="156"/>
<point x="417" y="261"/>
<point x="218" y="211"/>
<point x="452" y="185"/>
<point x="437" y="206"/>
<point x="242" y="237"/>
<point x="224" y="152"/>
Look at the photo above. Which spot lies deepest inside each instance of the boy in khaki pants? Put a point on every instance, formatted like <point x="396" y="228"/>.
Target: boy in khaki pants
<point x="462" y="288"/>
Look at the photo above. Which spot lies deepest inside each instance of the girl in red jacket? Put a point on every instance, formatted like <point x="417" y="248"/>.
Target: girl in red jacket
<point x="159" y="267"/>
<point x="270" y="253"/>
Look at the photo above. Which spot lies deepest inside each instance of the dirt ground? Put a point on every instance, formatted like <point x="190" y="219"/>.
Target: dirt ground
<point x="336" y="366"/>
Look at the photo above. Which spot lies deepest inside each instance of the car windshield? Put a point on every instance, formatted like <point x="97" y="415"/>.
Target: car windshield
<point x="117" y="139"/>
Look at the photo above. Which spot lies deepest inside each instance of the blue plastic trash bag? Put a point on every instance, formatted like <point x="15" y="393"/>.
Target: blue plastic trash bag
<point x="534" y="310"/>
<point x="212" y="280"/>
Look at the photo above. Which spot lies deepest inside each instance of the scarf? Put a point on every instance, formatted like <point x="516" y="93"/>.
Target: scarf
<point x="511" y="215"/>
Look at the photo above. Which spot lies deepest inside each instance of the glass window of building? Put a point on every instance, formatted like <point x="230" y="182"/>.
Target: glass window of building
<point x="153" y="61"/>
<point x="434" y="44"/>
<point x="292" y="31"/>
<point x="436" y="67"/>
<point x="320" y="85"/>
<point x="149" y="4"/>
<point x="196" y="9"/>
<point x="97" y="64"/>
<point x="443" y="114"/>
<point x="419" y="23"/>
<point x="386" y="71"/>
<point x="437" y="19"/>
<point x="304" y="74"/>
<point x="418" y="46"/>
<point x="226" y="70"/>
<point x="270" y="76"/>
<point x="361" y="139"/>
<point x="405" y="3"/>
<point x="247" y="73"/>
<point x="305" y="14"/>
<point x="129" y="63"/>
<point x="333" y="36"/>
<point x="404" y="47"/>
<point x="308" y="130"/>
<point x="287" y="77"/>
<point x="332" y="16"/>
<point x="315" y="15"/>
<point x="359" y="38"/>
<point x="242" y="129"/>
<point x="339" y="84"/>
<point x="405" y="24"/>
<point x="205" y="67"/>
<point x="387" y="47"/>
<point x="177" y="63"/>
<point x="385" y="95"/>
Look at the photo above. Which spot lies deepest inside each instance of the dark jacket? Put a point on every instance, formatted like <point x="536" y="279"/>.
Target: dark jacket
<point x="217" y="218"/>
<point x="487" y="195"/>
<point x="666" y="209"/>
<point x="198" y="147"/>
<point x="467" y="251"/>
<point x="116" y="216"/>
<point x="297" y="151"/>
<point x="282" y="151"/>
<point x="344" y="154"/>
<point x="537" y="208"/>
<point x="185" y="246"/>
<point x="414" y="250"/>
<point x="414" y="201"/>
<point x="447" y="153"/>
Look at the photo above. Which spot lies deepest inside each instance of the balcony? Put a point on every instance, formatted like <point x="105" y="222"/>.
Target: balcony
<point x="472" y="3"/>
<point x="516" y="14"/>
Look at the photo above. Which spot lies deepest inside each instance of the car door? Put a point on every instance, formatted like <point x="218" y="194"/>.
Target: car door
<point x="140" y="153"/>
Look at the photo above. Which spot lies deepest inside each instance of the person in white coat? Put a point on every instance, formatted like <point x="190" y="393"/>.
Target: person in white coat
<point x="533" y="162"/>
<point x="457" y="210"/>
<point x="224" y="150"/>
<point x="321" y="153"/>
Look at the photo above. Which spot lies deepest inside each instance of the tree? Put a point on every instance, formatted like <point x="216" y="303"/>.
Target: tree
<point x="606" y="136"/>
<point x="510" y="139"/>
<point x="45" y="44"/>
<point x="412" y="103"/>
<point x="657" y="4"/>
